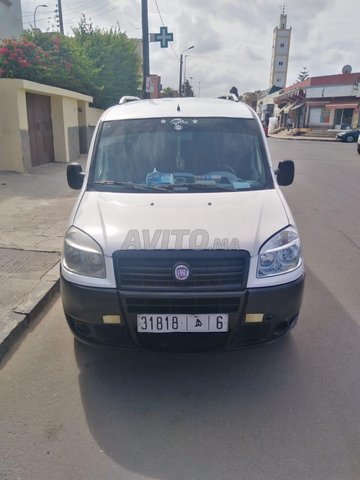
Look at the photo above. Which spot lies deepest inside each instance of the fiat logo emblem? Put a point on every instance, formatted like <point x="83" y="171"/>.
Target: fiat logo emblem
<point x="181" y="272"/>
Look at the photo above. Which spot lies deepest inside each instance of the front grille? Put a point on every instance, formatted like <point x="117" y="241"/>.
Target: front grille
<point x="141" y="270"/>
<point x="179" y="305"/>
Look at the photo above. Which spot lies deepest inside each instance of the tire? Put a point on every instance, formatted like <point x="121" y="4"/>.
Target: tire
<point x="358" y="148"/>
<point x="350" y="139"/>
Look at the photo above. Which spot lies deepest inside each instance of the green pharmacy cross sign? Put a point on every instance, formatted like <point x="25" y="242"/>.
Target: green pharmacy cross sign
<point x="163" y="37"/>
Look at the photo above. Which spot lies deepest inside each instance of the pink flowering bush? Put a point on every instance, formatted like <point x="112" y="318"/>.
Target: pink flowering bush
<point x="101" y="63"/>
<point x="22" y="59"/>
<point x="49" y="58"/>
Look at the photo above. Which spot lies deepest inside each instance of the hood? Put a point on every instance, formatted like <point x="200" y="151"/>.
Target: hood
<point x="237" y="220"/>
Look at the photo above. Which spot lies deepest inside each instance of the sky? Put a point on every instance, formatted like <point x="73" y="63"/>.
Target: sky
<point x="232" y="39"/>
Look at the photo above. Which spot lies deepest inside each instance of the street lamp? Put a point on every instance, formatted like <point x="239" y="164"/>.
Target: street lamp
<point x="181" y="64"/>
<point x="35" y="13"/>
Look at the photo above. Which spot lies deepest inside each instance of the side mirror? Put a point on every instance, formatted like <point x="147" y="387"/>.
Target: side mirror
<point x="285" y="172"/>
<point x="75" y="176"/>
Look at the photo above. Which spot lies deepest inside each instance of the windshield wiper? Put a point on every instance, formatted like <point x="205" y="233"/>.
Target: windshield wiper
<point x="171" y="187"/>
<point x="201" y="186"/>
<point x="132" y="186"/>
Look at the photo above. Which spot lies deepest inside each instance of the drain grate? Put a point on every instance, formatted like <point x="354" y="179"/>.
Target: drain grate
<point x="26" y="261"/>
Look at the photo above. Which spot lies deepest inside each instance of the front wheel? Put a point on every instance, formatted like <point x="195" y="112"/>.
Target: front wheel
<point x="350" y="139"/>
<point x="358" y="148"/>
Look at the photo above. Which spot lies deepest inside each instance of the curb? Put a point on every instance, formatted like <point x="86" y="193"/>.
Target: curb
<point x="17" y="321"/>
<point x="304" y="139"/>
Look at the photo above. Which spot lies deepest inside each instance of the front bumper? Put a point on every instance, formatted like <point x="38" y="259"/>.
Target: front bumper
<point x="85" y="307"/>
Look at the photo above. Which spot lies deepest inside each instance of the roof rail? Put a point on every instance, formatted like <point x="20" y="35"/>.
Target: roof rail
<point x="127" y="99"/>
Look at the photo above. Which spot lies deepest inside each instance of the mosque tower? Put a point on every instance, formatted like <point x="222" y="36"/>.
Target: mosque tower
<point x="280" y="52"/>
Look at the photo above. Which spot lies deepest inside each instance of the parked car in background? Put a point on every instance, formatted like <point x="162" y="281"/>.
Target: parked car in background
<point x="358" y="145"/>
<point x="348" y="136"/>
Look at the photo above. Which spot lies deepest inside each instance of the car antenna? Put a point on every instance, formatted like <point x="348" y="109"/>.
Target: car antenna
<point x="178" y="108"/>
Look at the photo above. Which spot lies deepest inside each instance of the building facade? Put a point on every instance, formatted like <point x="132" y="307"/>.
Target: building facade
<point x="329" y="102"/>
<point x="280" y="53"/>
<point x="11" y="25"/>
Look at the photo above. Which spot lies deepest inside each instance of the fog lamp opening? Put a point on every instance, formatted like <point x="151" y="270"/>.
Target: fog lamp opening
<point x="112" y="319"/>
<point x="254" y="318"/>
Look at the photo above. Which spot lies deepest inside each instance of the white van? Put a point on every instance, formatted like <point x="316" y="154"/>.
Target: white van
<point x="181" y="239"/>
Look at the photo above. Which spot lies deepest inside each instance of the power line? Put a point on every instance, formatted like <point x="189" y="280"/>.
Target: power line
<point x="97" y="7"/>
<point x="86" y="5"/>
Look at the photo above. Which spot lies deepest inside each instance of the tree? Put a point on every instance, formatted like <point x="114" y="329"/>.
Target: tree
<point x="115" y="59"/>
<point x="66" y="66"/>
<point x="187" y="89"/>
<point x="169" y="93"/>
<point x="303" y="75"/>
<point x="101" y="63"/>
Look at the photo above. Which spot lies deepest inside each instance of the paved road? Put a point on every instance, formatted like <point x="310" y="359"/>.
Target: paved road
<point x="289" y="411"/>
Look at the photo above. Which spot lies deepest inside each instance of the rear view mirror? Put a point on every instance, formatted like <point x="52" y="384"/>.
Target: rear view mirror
<point x="285" y="172"/>
<point x="75" y="176"/>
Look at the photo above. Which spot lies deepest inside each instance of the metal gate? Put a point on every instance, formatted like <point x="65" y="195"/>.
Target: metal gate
<point x="40" y="129"/>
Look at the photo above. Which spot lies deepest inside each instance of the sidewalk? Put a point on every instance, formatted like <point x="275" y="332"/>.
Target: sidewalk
<point x="35" y="209"/>
<point x="285" y="135"/>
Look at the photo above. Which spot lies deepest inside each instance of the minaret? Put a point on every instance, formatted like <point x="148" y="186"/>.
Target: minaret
<point x="280" y="52"/>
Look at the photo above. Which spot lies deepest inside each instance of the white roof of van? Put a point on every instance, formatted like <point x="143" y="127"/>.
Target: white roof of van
<point x="189" y="107"/>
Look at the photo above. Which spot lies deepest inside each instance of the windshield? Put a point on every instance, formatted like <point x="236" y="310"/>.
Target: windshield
<point x="180" y="154"/>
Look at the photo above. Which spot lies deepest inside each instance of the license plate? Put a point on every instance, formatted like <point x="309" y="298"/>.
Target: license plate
<point x="182" y="323"/>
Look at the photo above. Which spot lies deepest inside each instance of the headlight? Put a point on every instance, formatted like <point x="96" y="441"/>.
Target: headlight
<point x="280" y="254"/>
<point x="82" y="254"/>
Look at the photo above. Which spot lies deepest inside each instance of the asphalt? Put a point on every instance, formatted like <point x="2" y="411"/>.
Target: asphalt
<point x="35" y="208"/>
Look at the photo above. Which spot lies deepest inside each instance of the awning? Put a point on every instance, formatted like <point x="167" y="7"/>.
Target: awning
<point x="297" y="105"/>
<point x="342" y="105"/>
<point x="285" y="109"/>
<point x="318" y="104"/>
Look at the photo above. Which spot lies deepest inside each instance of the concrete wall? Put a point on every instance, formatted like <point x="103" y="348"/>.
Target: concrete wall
<point x="14" y="135"/>
<point x="88" y="118"/>
<point x="65" y="128"/>
<point x="93" y="115"/>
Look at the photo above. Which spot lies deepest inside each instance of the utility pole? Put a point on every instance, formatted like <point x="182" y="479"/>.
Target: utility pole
<point x="181" y="69"/>
<point x="145" y="39"/>
<point x="60" y="17"/>
<point x="180" y="75"/>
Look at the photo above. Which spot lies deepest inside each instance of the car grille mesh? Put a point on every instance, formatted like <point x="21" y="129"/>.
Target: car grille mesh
<point x="137" y="270"/>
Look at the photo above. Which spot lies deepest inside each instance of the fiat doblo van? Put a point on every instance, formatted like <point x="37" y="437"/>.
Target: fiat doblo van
<point x="181" y="239"/>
